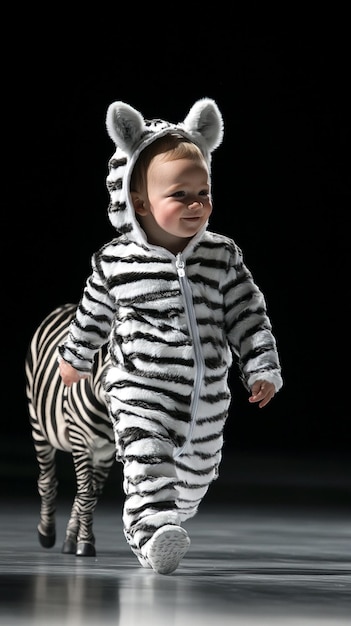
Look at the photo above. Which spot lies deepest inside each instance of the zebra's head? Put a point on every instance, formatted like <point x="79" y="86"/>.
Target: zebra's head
<point x="131" y="134"/>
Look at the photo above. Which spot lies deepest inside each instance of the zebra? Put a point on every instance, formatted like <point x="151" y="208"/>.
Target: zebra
<point x="74" y="420"/>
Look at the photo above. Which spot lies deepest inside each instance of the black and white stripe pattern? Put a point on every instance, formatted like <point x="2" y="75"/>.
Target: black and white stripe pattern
<point x="171" y="322"/>
<point x="74" y="420"/>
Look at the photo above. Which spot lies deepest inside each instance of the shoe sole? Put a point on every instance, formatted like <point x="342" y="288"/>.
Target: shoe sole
<point x="166" y="548"/>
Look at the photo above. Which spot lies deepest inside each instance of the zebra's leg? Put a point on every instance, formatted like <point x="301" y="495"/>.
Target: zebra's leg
<point x="70" y="543"/>
<point x="85" y="500"/>
<point x="47" y="489"/>
<point x="101" y="471"/>
<point x="103" y="462"/>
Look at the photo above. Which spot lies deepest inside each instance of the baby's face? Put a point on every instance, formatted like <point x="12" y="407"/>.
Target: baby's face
<point x="178" y="199"/>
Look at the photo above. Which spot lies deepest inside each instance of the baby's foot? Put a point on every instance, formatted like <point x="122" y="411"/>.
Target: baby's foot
<point x="166" y="548"/>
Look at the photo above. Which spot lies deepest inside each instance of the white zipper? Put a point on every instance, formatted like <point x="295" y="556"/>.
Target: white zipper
<point x="198" y="356"/>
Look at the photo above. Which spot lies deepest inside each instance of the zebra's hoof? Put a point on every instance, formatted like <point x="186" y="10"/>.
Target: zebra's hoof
<point x="48" y="540"/>
<point x="69" y="547"/>
<point x="85" y="549"/>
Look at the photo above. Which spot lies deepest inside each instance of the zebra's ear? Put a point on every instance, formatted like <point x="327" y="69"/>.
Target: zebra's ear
<point x="125" y="126"/>
<point x="205" y="122"/>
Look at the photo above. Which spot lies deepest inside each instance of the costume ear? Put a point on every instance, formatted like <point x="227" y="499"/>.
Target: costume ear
<point x="204" y="121"/>
<point x="125" y="126"/>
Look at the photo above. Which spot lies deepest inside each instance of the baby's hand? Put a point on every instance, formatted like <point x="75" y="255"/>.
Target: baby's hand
<point x="69" y="374"/>
<point x="262" y="392"/>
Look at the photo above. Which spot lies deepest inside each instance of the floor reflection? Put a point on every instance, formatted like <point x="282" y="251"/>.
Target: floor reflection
<point x="244" y="568"/>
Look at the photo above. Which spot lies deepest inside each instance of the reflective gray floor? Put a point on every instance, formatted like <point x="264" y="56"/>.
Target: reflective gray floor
<point x="251" y="565"/>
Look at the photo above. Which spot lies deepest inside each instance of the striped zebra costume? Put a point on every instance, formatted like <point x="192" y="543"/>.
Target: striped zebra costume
<point x="173" y="324"/>
<point x="74" y="420"/>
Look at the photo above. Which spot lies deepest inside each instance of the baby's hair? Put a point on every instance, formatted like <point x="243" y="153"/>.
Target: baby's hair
<point x="176" y="146"/>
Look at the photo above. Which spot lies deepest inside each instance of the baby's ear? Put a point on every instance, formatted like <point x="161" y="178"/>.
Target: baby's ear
<point x="125" y="126"/>
<point x="138" y="203"/>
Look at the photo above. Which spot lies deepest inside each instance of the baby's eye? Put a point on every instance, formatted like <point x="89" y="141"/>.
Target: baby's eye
<point x="204" y="192"/>
<point x="178" y="194"/>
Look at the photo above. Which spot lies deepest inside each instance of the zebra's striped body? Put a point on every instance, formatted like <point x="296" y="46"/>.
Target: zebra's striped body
<point x="74" y="420"/>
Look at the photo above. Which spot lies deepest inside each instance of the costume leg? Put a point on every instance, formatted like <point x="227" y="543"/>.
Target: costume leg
<point x="160" y="490"/>
<point x="149" y="484"/>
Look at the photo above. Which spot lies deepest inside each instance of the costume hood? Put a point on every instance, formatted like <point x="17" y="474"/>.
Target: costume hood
<point x="131" y="133"/>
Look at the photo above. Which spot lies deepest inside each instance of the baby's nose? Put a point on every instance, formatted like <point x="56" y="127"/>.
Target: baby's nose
<point x="194" y="204"/>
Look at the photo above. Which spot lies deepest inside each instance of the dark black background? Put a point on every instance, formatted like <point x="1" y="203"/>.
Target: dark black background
<point x="281" y="187"/>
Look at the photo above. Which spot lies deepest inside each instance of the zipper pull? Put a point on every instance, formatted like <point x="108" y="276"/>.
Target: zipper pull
<point x="180" y="265"/>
